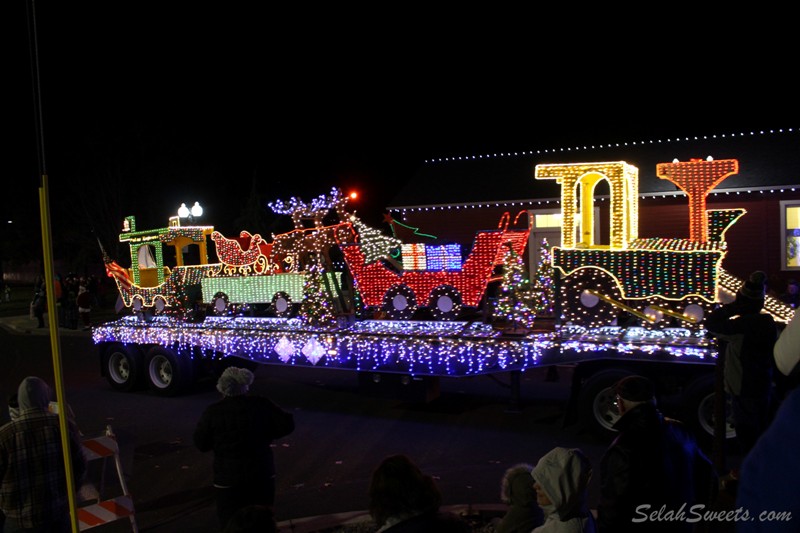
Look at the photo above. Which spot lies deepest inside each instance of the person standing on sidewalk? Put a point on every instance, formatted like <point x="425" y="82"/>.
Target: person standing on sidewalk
<point x="750" y="337"/>
<point x="239" y="429"/>
<point x="33" y="480"/>
<point x="84" y="303"/>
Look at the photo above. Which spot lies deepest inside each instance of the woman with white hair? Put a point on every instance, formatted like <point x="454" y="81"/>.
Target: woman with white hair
<point x="239" y="429"/>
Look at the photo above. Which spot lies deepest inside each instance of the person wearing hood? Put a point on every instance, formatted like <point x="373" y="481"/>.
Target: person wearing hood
<point x="33" y="481"/>
<point x="239" y="429"/>
<point x="403" y="499"/>
<point x="561" y="481"/>
<point x="653" y="467"/>
<point x="516" y="491"/>
<point x="749" y="337"/>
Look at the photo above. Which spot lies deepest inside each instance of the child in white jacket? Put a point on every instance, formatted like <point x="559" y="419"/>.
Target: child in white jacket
<point x="561" y="481"/>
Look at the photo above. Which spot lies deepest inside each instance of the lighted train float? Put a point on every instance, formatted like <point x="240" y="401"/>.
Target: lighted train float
<point x="667" y="284"/>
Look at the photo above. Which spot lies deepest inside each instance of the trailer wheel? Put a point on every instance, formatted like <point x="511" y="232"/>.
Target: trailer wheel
<point x="597" y="402"/>
<point x="219" y="304"/>
<point x="282" y="305"/>
<point x="445" y="302"/>
<point x="699" y="401"/>
<point x="399" y="302"/>
<point x="167" y="373"/>
<point x="122" y="366"/>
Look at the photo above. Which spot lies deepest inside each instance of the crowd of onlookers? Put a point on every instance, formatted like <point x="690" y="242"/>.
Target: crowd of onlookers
<point x="75" y="297"/>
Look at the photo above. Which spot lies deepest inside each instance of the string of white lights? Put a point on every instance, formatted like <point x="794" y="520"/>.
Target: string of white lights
<point x="612" y="145"/>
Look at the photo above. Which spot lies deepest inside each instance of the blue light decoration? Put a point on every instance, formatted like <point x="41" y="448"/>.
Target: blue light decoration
<point x="447" y="349"/>
<point x="443" y="257"/>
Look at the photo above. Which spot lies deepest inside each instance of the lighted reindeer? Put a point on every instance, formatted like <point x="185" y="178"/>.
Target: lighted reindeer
<point x="298" y="249"/>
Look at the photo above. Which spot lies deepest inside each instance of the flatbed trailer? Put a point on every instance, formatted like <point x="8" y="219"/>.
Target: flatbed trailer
<point x="168" y="355"/>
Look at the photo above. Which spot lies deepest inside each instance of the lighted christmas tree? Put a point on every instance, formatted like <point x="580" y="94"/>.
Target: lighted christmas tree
<point x="543" y="281"/>
<point x="374" y="244"/>
<point x="516" y="301"/>
<point x="317" y="308"/>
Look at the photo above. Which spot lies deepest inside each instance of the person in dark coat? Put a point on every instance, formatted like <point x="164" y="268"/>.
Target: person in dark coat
<point x="404" y="500"/>
<point x="653" y="463"/>
<point x="516" y="491"/>
<point x="33" y="477"/>
<point x="239" y="430"/>
<point x="749" y="337"/>
<point x="769" y="475"/>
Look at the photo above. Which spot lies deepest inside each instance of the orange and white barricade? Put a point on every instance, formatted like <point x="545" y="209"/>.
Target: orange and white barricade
<point x="95" y="511"/>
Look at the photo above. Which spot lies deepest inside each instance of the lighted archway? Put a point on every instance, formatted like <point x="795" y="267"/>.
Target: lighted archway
<point x="580" y="179"/>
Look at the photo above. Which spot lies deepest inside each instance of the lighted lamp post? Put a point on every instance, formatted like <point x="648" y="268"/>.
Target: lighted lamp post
<point x="196" y="211"/>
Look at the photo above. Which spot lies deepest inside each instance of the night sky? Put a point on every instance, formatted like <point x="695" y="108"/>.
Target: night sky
<point x="145" y="106"/>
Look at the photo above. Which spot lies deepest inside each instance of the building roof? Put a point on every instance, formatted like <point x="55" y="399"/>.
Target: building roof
<point x="768" y="159"/>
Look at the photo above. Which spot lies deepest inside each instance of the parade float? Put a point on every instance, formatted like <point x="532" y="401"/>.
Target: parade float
<point x="347" y="296"/>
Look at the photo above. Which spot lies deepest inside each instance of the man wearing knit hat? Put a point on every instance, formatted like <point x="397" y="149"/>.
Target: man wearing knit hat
<point x="239" y="429"/>
<point x="653" y="463"/>
<point x="748" y="337"/>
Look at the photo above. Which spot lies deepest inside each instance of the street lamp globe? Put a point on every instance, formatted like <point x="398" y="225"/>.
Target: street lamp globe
<point x="197" y="209"/>
<point x="183" y="211"/>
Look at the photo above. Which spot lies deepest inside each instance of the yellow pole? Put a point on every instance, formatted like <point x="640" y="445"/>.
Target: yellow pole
<point x="55" y="345"/>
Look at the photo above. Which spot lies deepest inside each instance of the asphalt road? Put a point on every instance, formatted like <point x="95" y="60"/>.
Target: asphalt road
<point x="466" y="437"/>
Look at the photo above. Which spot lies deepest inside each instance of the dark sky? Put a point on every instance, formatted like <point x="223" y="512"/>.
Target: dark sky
<point x="148" y="105"/>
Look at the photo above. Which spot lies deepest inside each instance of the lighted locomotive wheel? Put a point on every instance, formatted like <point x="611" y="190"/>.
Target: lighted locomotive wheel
<point x="159" y="305"/>
<point x="219" y="304"/>
<point x="399" y="302"/>
<point x="445" y="302"/>
<point x="282" y="305"/>
<point x="581" y="307"/>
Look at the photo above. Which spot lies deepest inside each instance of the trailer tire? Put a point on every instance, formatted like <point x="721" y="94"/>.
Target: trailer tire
<point x="399" y="302"/>
<point x="597" y="402"/>
<point x="698" y="400"/>
<point x="167" y="373"/>
<point x="123" y="366"/>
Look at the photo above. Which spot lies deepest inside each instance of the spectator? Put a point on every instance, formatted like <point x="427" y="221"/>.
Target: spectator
<point x="771" y="470"/>
<point x="561" y="481"/>
<point x="84" y="303"/>
<point x="787" y="348"/>
<point x="516" y="491"/>
<point x="749" y="337"/>
<point x="39" y="303"/>
<point x="404" y="500"/>
<point x="653" y="463"/>
<point x="792" y="294"/>
<point x="33" y="483"/>
<point x="239" y="430"/>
